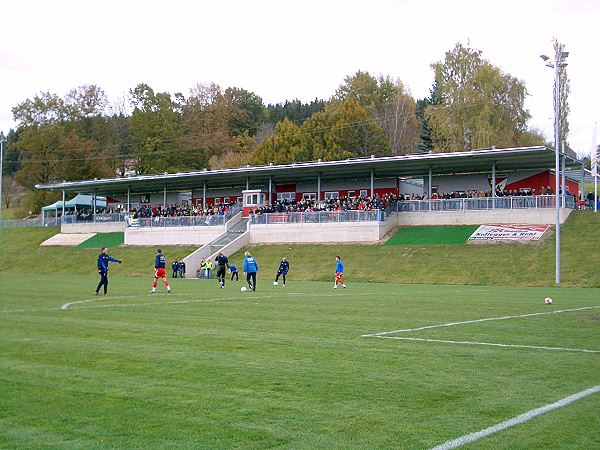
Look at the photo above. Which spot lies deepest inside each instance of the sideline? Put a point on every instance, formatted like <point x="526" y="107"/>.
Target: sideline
<point x="468" y="438"/>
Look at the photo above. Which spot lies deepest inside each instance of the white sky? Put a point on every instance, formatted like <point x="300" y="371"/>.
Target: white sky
<point x="293" y="49"/>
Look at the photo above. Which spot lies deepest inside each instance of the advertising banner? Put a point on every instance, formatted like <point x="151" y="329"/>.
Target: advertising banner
<point x="511" y="232"/>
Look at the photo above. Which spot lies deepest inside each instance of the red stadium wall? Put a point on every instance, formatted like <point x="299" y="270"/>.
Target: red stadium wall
<point x="542" y="179"/>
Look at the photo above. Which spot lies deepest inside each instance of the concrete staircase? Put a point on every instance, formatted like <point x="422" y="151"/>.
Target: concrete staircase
<point x="236" y="236"/>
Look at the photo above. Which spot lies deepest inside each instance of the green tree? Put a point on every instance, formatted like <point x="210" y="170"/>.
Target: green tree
<point x="246" y="111"/>
<point x="479" y="105"/>
<point x="285" y="146"/>
<point x="153" y="126"/>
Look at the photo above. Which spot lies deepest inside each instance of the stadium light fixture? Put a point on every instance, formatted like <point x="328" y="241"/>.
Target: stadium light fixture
<point x="557" y="64"/>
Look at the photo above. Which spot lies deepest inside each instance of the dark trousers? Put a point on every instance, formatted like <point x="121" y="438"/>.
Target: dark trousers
<point x="279" y="274"/>
<point x="252" y="284"/>
<point x="103" y="282"/>
<point x="221" y="275"/>
<point x="234" y="274"/>
<point x="174" y="275"/>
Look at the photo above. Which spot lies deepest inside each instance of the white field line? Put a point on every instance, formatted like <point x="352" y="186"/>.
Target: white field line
<point x="487" y="319"/>
<point x="491" y="344"/>
<point x="71" y="305"/>
<point x="468" y="438"/>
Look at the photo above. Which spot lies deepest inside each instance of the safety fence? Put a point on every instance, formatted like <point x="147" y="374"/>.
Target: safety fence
<point x="376" y="215"/>
<point x="484" y="203"/>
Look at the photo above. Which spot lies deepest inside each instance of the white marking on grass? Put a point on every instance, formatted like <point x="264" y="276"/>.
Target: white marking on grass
<point x="491" y="344"/>
<point x="468" y="438"/>
<point x="487" y="319"/>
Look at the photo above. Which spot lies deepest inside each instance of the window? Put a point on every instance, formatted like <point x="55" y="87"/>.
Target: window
<point x="363" y="193"/>
<point x="351" y="194"/>
<point x="330" y="195"/>
<point x="217" y="200"/>
<point x="309" y="196"/>
<point x="434" y="190"/>
<point x="281" y="196"/>
<point x="226" y="200"/>
<point x="240" y="200"/>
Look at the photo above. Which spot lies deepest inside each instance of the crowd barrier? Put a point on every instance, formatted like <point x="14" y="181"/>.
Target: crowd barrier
<point x="318" y="217"/>
<point x="484" y="203"/>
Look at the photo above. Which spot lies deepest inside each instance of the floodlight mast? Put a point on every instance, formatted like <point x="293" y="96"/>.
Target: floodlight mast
<point x="557" y="64"/>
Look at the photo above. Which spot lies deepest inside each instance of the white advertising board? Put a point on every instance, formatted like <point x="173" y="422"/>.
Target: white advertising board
<point x="494" y="232"/>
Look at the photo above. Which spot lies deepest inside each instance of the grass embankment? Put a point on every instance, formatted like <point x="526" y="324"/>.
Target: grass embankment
<point x="480" y="264"/>
<point x="21" y="253"/>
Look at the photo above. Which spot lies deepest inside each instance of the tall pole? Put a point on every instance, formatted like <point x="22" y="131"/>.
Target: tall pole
<point x="563" y="187"/>
<point x="596" y="179"/>
<point x="2" y="140"/>
<point x="557" y="64"/>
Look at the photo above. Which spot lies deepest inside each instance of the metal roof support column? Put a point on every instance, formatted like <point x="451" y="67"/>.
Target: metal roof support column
<point x="94" y="205"/>
<point x="204" y="196"/>
<point x="128" y="198"/>
<point x="318" y="188"/>
<point x="247" y="183"/>
<point x="494" y="185"/>
<point x="270" y="187"/>
<point x="429" y="188"/>
<point x="372" y="184"/>
<point x="582" y="182"/>
<point x="62" y="216"/>
<point x="165" y="197"/>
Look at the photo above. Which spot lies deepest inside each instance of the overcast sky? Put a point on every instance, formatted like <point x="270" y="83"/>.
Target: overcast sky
<point x="293" y="49"/>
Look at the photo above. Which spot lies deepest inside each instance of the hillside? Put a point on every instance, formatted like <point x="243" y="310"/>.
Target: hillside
<point x="493" y="264"/>
<point x="481" y="264"/>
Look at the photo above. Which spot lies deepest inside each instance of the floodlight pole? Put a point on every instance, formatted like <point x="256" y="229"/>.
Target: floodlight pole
<point x="2" y="141"/>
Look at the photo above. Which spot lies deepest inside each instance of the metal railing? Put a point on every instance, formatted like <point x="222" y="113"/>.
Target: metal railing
<point x="376" y="215"/>
<point x="180" y="221"/>
<point x="30" y="223"/>
<point x="484" y="203"/>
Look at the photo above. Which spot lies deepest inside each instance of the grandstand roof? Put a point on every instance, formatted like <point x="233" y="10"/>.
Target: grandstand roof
<point x="413" y="165"/>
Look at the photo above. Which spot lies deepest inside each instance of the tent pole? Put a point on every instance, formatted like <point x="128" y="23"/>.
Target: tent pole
<point x="62" y="217"/>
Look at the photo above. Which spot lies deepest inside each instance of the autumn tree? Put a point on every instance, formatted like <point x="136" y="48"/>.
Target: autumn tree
<point x="479" y="105"/>
<point x="387" y="102"/>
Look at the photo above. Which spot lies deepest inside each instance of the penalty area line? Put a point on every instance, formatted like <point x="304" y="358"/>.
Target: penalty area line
<point x="469" y="438"/>
<point x="489" y="344"/>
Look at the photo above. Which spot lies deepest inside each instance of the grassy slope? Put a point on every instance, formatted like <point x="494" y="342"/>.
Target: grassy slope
<point x="286" y="367"/>
<point x="481" y="264"/>
<point x="21" y="253"/>
<point x="491" y="264"/>
<point x="432" y="235"/>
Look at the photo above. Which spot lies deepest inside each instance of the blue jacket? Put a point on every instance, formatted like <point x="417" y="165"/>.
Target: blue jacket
<point x="103" y="261"/>
<point x="232" y="268"/>
<point x="284" y="267"/>
<point x="250" y="264"/>
<point x="339" y="267"/>
<point x="160" y="262"/>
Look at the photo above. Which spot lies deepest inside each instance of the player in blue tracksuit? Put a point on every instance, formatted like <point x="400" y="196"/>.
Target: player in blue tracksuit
<point x="103" y="260"/>
<point x="250" y="268"/>
<point x="234" y="272"/>
<point x="339" y="273"/>
<point x="284" y="268"/>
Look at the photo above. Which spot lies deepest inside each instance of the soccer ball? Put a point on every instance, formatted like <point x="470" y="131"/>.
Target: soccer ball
<point x="547" y="301"/>
<point x="243" y="289"/>
<point x="275" y="283"/>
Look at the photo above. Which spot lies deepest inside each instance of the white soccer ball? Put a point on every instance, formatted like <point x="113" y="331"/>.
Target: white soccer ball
<point x="275" y="283"/>
<point x="547" y="301"/>
<point x="243" y="289"/>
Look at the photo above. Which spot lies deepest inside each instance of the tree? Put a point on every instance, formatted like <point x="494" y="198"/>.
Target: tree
<point x="285" y="146"/>
<point x="564" y="89"/>
<point x="479" y="105"/>
<point x="294" y="110"/>
<point x="153" y="126"/>
<point x="389" y="104"/>
<point x="246" y="111"/>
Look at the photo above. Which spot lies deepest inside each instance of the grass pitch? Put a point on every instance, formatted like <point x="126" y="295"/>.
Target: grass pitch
<point x="288" y="367"/>
<point x="432" y="235"/>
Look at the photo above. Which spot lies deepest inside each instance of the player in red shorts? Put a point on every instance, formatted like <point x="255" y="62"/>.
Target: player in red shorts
<point x="159" y="271"/>
<point x="339" y="273"/>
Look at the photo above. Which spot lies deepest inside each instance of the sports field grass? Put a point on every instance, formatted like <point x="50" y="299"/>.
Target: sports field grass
<point x="432" y="235"/>
<point x="288" y="367"/>
<point x="110" y="240"/>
